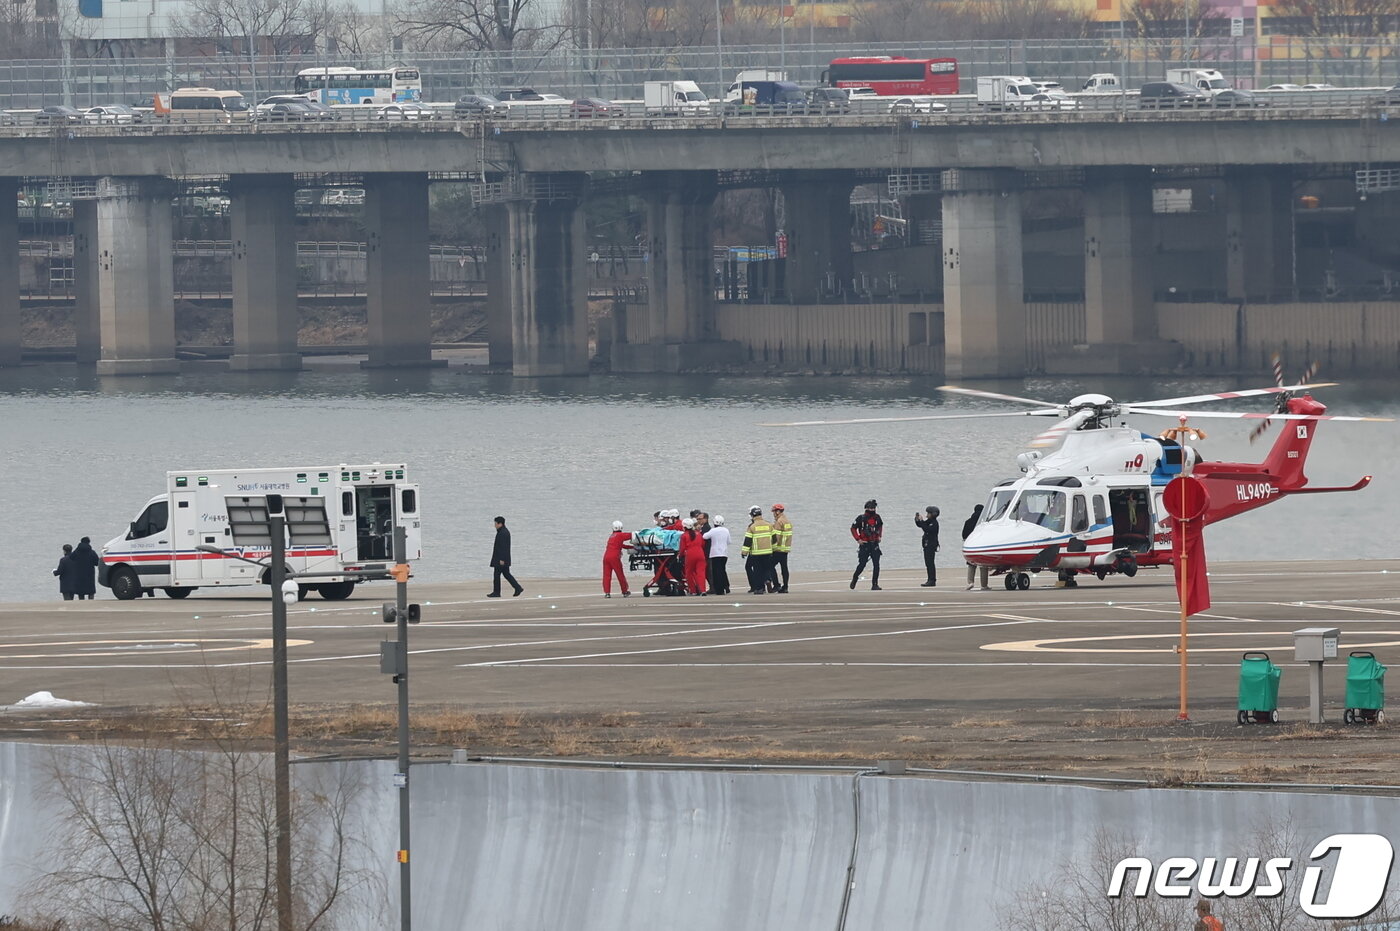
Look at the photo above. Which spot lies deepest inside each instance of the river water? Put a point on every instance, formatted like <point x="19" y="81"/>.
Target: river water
<point x="563" y="458"/>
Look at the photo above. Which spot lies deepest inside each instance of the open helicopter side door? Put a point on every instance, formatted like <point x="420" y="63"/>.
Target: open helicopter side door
<point x="1132" y="519"/>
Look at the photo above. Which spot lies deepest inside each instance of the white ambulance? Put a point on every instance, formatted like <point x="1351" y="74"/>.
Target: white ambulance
<point x="340" y="519"/>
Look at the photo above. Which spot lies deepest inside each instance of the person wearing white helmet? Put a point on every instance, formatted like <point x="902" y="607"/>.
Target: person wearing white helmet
<point x="718" y="538"/>
<point x="618" y="541"/>
<point x="693" y="557"/>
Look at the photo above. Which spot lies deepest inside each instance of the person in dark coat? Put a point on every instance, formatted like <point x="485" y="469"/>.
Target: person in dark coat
<point x="86" y="560"/>
<point x="970" y="525"/>
<point x="867" y="530"/>
<point x="928" y="523"/>
<point x="67" y="573"/>
<point x="500" y="561"/>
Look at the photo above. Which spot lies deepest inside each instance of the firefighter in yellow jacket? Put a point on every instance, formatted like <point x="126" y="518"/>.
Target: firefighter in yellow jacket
<point x="782" y="545"/>
<point x="758" y="551"/>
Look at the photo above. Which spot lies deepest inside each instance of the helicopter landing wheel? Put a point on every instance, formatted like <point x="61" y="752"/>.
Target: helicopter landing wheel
<point x="1010" y="581"/>
<point x="1023" y="581"/>
<point x="1101" y="573"/>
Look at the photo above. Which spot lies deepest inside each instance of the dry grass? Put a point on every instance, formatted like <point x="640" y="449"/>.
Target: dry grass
<point x="983" y="722"/>
<point x="1120" y="720"/>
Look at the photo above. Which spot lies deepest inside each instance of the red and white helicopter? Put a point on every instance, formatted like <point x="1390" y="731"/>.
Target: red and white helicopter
<point x="1091" y="499"/>
<point x="1094" y="504"/>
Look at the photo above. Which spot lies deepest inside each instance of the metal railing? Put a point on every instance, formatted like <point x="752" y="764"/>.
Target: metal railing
<point x="620" y="73"/>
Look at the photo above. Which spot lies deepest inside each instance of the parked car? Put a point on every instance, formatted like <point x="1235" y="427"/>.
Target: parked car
<point x="477" y="105"/>
<point x="115" y="114"/>
<point x="594" y="108"/>
<point x="58" y="114"/>
<point x="829" y="100"/>
<point x="1165" y="95"/>
<point x="1236" y="98"/>
<point x="408" y="110"/>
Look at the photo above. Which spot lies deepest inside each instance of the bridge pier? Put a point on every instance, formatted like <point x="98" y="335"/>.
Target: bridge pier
<point x="817" y="223"/>
<point x="499" y="326"/>
<point x="1258" y="232"/>
<point x="546" y="286"/>
<point x="396" y="270"/>
<point x="11" y="325"/>
<point x="135" y="276"/>
<point x="87" y="314"/>
<point x="263" y="229"/>
<point x="1118" y="302"/>
<point x="983" y="293"/>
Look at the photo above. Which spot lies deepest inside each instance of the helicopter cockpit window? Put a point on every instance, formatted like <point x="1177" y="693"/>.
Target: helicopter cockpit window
<point x="1080" y="523"/>
<point x="1043" y="507"/>
<point x="997" y="504"/>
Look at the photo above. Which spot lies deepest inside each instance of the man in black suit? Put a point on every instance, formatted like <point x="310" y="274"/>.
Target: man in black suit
<point x="500" y="561"/>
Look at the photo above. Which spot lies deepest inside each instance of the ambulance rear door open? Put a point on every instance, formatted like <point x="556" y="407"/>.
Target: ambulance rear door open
<point x="368" y="514"/>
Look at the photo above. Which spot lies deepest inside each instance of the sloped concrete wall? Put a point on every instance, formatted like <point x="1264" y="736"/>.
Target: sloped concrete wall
<point x="534" y="847"/>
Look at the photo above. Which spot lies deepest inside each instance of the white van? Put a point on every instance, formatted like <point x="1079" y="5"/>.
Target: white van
<point x="341" y="519"/>
<point x="208" y="103"/>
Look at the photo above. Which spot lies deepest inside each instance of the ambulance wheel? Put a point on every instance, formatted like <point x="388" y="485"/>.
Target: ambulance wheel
<point x="125" y="584"/>
<point x="178" y="593"/>
<point x="1242" y="717"/>
<point x="1349" y="716"/>
<point x="1023" y="580"/>
<point x="1129" y="567"/>
<point x="1010" y="581"/>
<point x="303" y="591"/>
<point x="336" y="591"/>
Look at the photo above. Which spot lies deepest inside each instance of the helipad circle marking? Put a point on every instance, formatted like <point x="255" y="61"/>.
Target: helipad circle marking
<point x="145" y="647"/>
<point x="1046" y="645"/>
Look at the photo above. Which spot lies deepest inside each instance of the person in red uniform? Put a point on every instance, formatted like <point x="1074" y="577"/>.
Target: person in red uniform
<point x="867" y="529"/>
<point x="612" y="560"/>
<point x="693" y="554"/>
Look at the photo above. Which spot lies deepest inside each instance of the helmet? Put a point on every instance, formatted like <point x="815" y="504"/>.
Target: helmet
<point x="718" y="521"/>
<point x="931" y="510"/>
<point x="617" y="525"/>
<point x="778" y="507"/>
<point x="688" y="523"/>
<point x="673" y="512"/>
<point x="755" y="511"/>
<point x="871" y="505"/>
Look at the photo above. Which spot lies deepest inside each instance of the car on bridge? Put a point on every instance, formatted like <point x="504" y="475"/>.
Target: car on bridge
<point x="477" y="105"/>
<point x="829" y="99"/>
<point x="408" y="110"/>
<point x="1237" y="98"/>
<point x="112" y="115"/>
<point x="57" y="114"/>
<point x="1168" y="95"/>
<point x="285" y="112"/>
<point x="593" y="108"/>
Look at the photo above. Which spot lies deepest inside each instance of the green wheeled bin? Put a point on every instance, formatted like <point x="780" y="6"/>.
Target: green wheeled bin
<point x="1258" y="689"/>
<point x="1365" y="689"/>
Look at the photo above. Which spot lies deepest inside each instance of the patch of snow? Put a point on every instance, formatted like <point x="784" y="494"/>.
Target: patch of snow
<point x="47" y="700"/>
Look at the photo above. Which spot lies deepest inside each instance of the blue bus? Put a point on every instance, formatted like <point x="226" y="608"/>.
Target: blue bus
<point x="332" y="85"/>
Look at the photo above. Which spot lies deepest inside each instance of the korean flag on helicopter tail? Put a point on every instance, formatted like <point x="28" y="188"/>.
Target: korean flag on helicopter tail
<point x="1187" y="500"/>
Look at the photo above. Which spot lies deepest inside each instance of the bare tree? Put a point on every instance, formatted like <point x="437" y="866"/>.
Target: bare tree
<point x="476" y="25"/>
<point x="257" y="38"/>
<point x="1038" y="19"/>
<point x="24" y="35"/>
<point x="156" y="839"/>
<point x="1331" y="23"/>
<point x="642" y="24"/>
<point x="1172" y="22"/>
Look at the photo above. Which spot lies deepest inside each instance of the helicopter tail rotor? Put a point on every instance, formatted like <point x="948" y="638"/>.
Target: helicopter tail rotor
<point x="1281" y="405"/>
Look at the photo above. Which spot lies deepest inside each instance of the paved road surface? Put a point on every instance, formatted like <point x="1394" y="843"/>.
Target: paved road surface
<point x="563" y="647"/>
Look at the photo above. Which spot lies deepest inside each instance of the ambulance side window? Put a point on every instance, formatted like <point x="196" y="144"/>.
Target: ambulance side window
<point x="408" y="502"/>
<point x="347" y="504"/>
<point x="1100" y="510"/>
<point x="1081" y="516"/>
<point x="151" y="521"/>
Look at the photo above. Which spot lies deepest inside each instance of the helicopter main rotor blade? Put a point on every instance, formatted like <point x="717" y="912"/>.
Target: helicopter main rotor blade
<point x="1056" y="433"/>
<point x="1055" y="412"/>
<point x="1257" y="415"/>
<point x="979" y="393"/>
<point x="1227" y="395"/>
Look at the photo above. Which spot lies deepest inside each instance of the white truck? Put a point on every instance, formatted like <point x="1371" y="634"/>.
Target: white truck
<point x="1006" y="92"/>
<point x="1206" y="79"/>
<point x="674" y="98"/>
<point x="340" y="518"/>
<point x="1103" y="83"/>
<point x="735" y="92"/>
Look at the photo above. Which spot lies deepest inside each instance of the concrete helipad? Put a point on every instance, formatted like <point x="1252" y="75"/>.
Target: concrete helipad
<point x="563" y="647"/>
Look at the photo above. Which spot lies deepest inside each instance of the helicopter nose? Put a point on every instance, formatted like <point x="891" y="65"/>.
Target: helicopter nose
<point x="1004" y="543"/>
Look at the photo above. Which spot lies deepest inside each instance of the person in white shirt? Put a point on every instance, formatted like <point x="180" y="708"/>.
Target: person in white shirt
<point x="718" y="538"/>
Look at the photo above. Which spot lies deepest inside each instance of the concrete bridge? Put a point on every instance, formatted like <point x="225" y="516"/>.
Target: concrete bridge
<point x="970" y="169"/>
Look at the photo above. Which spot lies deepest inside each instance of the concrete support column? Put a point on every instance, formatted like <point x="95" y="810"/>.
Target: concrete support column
<point x="983" y="294"/>
<point x="87" y="314"/>
<point x="1258" y="232"/>
<point x="135" y="276"/>
<point x="817" y="223"/>
<point x="1117" y="256"/>
<point x="397" y="271"/>
<point x="11" y="326"/>
<point x="546" y="279"/>
<point x="263" y="229"/>
<point x="681" y="285"/>
<point x="499" y="327"/>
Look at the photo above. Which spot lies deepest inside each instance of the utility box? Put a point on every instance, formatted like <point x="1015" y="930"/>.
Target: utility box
<point x="1315" y="644"/>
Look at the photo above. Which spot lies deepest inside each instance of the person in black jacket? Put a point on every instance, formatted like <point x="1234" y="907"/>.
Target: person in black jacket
<point x="866" y="530"/>
<point x="85" y="559"/>
<point x="67" y="573"/>
<point x="968" y="526"/>
<point x="500" y="561"/>
<point x="929" y="526"/>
